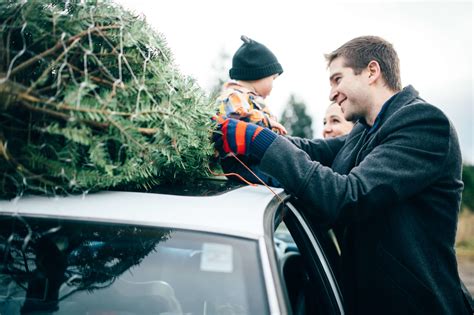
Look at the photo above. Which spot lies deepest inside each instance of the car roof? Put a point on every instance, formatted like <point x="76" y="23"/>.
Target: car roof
<point x="237" y="212"/>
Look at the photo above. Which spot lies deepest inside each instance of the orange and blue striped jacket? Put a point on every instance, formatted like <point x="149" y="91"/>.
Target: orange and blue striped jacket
<point x="237" y="101"/>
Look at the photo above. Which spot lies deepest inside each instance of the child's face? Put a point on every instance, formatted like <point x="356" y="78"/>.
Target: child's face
<point x="264" y="86"/>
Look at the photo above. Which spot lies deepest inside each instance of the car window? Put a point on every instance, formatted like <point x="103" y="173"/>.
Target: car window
<point x="310" y="283"/>
<point x="71" y="267"/>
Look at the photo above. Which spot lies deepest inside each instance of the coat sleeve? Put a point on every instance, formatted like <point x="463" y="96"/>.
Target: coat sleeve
<point x="323" y="151"/>
<point x="410" y="154"/>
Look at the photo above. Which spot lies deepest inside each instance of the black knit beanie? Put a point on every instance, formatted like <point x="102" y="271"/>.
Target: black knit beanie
<point x="253" y="61"/>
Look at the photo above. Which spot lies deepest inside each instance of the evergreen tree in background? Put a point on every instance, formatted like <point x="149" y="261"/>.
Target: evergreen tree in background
<point x="90" y="99"/>
<point x="220" y="68"/>
<point x="468" y="192"/>
<point x="295" y="119"/>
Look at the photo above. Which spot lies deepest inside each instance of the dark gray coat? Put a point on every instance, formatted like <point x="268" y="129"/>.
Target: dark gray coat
<point x="397" y="194"/>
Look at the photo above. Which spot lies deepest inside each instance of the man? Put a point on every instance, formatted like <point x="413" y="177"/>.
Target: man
<point x="394" y="183"/>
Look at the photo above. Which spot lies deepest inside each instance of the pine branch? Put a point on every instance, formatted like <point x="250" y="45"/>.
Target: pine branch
<point x="127" y="135"/>
<point x="146" y="131"/>
<point x="51" y="65"/>
<point x="20" y="168"/>
<point x="58" y="45"/>
<point x="93" y="78"/>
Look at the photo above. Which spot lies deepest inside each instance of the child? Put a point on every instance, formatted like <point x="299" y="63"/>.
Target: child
<point x="254" y="67"/>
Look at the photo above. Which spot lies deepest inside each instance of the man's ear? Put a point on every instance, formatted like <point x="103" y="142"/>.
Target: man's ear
<point x="374" y="71"/>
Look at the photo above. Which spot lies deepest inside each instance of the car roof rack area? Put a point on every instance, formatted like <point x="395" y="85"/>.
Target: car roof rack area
<point x="211" y="186"/>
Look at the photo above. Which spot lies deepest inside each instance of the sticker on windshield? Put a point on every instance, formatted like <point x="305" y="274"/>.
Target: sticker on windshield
<point x="216" y="257"/>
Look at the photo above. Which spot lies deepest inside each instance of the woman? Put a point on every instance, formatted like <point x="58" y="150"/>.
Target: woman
<point x="334" y="123"/>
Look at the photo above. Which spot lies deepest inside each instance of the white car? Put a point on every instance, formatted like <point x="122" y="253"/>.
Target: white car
<point x="212" y="247"/>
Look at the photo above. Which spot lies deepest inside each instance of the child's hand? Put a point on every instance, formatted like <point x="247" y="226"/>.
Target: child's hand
<point x="278" y="126"/>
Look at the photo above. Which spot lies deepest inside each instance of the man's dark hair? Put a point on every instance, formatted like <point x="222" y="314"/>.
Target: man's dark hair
<point x="359" y="51"/>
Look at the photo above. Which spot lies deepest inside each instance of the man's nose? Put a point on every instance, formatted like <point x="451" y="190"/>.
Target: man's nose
<point x="332" y="95"/>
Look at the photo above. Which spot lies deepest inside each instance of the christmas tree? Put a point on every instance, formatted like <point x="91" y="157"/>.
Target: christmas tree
<point x="90" y="99"/>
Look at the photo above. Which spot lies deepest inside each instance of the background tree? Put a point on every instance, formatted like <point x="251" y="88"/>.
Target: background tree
<point x="220" y="67"/>
<point x="465" y="230"/>
<point x="468" y="192"/>
<point x="296" y="120"/>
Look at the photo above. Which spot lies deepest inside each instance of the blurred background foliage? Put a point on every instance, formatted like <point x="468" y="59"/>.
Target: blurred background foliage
<point x="468" y="193"/>
<point x="465" y="232"/>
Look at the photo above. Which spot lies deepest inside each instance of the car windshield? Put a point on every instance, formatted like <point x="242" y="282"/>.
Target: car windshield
<point x="76" y="267"/>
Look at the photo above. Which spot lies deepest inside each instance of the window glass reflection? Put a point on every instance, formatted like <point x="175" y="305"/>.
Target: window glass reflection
<point x="70" y="267"/>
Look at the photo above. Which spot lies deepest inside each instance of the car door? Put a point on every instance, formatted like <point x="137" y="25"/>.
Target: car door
<point x="307" y="277"/>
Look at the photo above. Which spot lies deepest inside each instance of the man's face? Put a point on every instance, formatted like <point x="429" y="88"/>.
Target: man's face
<point x="348" y="90"/>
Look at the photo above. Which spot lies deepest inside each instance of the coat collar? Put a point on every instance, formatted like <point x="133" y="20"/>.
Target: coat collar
<point x="402" y="98"/>
<point x="393" y="104"/>
<point x="234" y="85"/>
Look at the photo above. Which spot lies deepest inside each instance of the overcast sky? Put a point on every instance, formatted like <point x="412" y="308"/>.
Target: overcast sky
<point x="433" y="40"/>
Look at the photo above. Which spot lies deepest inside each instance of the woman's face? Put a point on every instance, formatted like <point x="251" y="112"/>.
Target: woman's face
<point x="334" y="123"/>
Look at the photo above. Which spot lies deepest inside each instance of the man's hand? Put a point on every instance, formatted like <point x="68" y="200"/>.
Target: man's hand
<point x="243" y="138"/>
